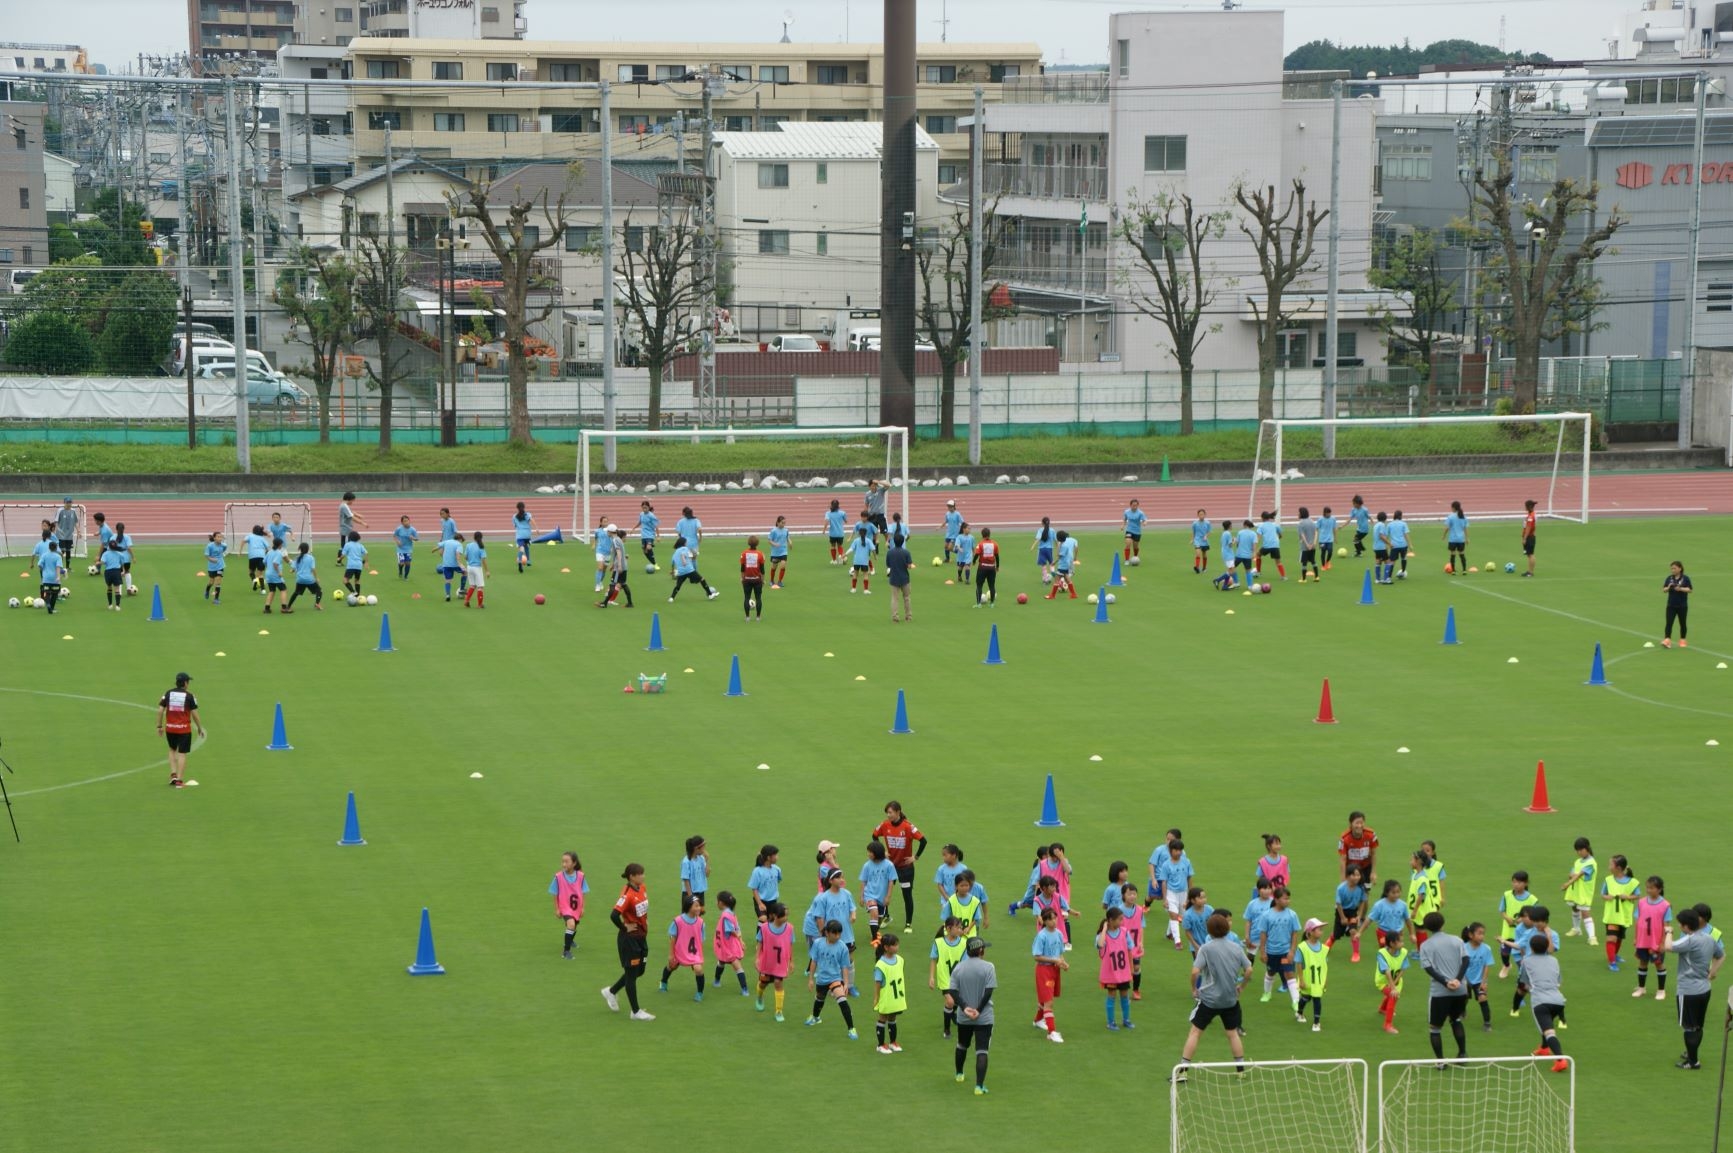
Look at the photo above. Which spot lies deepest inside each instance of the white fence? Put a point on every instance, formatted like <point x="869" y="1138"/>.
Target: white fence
<point x="112" y="398"/>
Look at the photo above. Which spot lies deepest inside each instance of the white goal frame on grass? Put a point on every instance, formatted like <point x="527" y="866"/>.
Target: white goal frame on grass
<point x="896" y="471"/>
<point x="21" y="528"/>
<point x="1477" y="1105"/>
<point x="1549" y="508"/>
<point x="239" y="517"/>
<point x="1315" y="1106"/>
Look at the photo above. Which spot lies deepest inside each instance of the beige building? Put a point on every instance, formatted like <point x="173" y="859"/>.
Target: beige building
<point x="244" y="27"/>
<point x="766" y="84"/>
<point x="23" y="188"/>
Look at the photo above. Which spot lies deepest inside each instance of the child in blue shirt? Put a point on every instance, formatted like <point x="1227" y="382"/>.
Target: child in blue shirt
<point x="306" y="580"/>
<point x="1200" y="542"/>
<point x="450" y="550"/>
<point x="354" y="560"/>
<point x="964" y="546"/>
<point x="836" y="528"/>
<point x="647" y="525"/>
<point x="215" y="551"/>
<point x="111" y="561"/>
<point x="1456" y="539"/>
<point x="475" y="567"/>
<point x="1270" y="543"/>
<point x="1254" y="914"/>
<point x="523" y="527"/>
<point x="829" y="973"/>
<point x="405" y="536"/>
<point x="778" y="552"/>
<point x="1362" y="524"/>
<point x="1327" y="537"/>
<point x="1134" y="518"/>
<point x="953" y="526"/>
<point x="258" y="543"/>
<point x="1398" y="530"/>
<point x="686" y="571"/>
<point x="275" y="587"/>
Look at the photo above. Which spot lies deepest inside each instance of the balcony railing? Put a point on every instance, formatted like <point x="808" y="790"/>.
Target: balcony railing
<point x="1046" y="182"/>
<point x="1059" y="271"/>
<point x="1056" y="88"/>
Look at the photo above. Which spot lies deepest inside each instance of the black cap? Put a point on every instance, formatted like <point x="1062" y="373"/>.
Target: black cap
<point x="976" y="946"/>
<point x="183" y="678"/>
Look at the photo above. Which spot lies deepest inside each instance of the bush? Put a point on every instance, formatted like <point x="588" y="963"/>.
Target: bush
<point x="140" y="320"/>
<point x="50" y="342"/>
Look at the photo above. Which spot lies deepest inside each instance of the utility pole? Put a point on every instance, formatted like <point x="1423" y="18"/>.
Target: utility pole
<point x="1332" y="329"/>
<point x="976" y="338"/>
<point x="709" y="403"/>
<point x="609" y="334"/>
<point x="897" y="220"/>
<point x="237" y="280"/>
<point x="1687" y="379"/>
<point x="181" y="190"/>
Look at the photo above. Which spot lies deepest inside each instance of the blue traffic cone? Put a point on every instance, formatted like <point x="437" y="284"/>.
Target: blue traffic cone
<point x="1115" y="579"/>
<point x="655" y="634"/>
<point x="351" y="825"/>
<point x="900" y="725"/>
<point x="1049" y="809"/>
<point x="156" y="603"/>
<point x="384" y="634"/>
<point x="279" y="734"/>
<point x="1101" y="605"/>
<point x="1366" y="590"/>
<point x="1449" y="626"/>
<point x="993" y="657"/>
<point x="1597" y="673"/>
<point x="734" y="689"/>
<point x="425" y="964"/>
<point x="549" y="537"/>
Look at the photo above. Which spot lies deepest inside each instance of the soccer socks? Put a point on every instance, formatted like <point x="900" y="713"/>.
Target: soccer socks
<point x="716" y="978"/>
<point x="448" y="588"/>
<point x="571" y="935"/>
<point x="909" y="904"/>
<point x="666" y="973"/>
<point x="1693" y="1038"/>
<point x="1137" y="981"/>
<point x="1045" y="1016"/>
<point x="1461" y="1037"/>
<point x="1435" y="1036"/>
<point x="817" y="1008"/>
<point x="879" y="1032"/>
<point x="1642" y="971"/>
<point x="780" y="994"/>
<point x="1269" y="984"/>
<point x="700" y="986"/>
<point x="1552" y="1043"/>
<point x="1111" y="1001"/>
<point x="1588" y="918"/>
<point x="847" y="1014"/>
<point x="741" y="975"/>
<point x="1388" y="1010"/>
<point x="1294" y="993"/>
<point x="1125" y="1010"/>
<point x="1281" y="570"/>
<point x="1486" y="1013"/>
<point x="480" y="598"/>
<point x="949" y="1018"/>
<point x="1660" y="977"/>
<point x="1576" y="920"/>
<point x="1173" y="932"/>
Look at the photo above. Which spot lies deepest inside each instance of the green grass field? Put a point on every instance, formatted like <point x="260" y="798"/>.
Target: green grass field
<point x="207" y="969"/>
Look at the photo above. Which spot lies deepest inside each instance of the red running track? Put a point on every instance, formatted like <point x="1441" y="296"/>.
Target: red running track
<point x="171" y="519"/>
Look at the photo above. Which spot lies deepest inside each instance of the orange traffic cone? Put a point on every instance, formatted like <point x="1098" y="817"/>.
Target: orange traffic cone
<point x="1539" y="803"/>
<point x="1325" y="715"/>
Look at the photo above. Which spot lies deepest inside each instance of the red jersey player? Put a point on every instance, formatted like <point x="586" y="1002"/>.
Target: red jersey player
<point x="752" y="579"/>
<point x="903" y="846"/>
<point x="1357" y="846"/>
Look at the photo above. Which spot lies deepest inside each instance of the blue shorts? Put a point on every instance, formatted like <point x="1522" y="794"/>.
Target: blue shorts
<point x="779" y="556"/>
<point x="449" y="571"/>
<point x="405" y="555"/>
<point x="1043" y="556"/>
<point x="523" y="542"/>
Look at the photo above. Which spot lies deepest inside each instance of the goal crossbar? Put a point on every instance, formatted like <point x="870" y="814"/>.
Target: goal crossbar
<point x="893" y="434"/>
<point x="1550" y="508"/>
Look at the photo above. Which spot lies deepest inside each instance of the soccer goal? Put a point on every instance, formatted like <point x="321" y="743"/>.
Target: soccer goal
<point x="825" y="462"/>
<point x="21" y="528"/>
<point x="1551" y="448"/>
<point x="1269" y="1107"/>
<point x="1477" y="1105"/>
<point x="240" y="516"/>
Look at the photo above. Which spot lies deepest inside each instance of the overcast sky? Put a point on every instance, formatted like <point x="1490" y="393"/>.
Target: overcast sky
<point x="114" y="31"/>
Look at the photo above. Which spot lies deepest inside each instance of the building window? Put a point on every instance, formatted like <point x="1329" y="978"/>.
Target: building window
<point x="502" y="71"/>
<point x="19" y="137"/>
<point x="631" y="122"/>
<point x="1163" y="153"/>
<point x="633" y="74"/>
<point x="950" y="173"/>
<point x="24" y="198"/>
<point x="382" y="118"/>
<point x="1349" y="341"/>
<point x="448" y="70"/>
<point x="672" y="71"/>
<point x="831" y="74"/>
<point x="941" y="74"/>
<point x="448" y="122"/>
<point x="5" y="256"/>
<point x="998" y="73"/>
<point x="384" y="70"/>
<point x="1122" y="55"/>
<point x="737" y="124"/>
<point x="823" y="174"/>
<point x="773" y="176"/>
<point x="344" y="41"/>
<point x="773" y="73"/>
<point x="824" y="244"/>
<point x="29" y="254"/>
<point x="1672" y="90"/>
<point x="344" y="15"/>
<point x="737" y="71"/>
<point x="1291" y="348"/>
<point x="1406" y="161"/>
<point x="566" y="122"/>
<point x="939" y="125"/>
<point x="502" y="122"/>
<point x="1537" y="164"/>
<point x="490" y="15"/>
<point x="532" y="236"/>
<point x="773" y="242"/>
<point x="369" y="224"/>
<point x="580" y="238"/>
<point x="635" y="238"/>
<point x="1720" y="297"/>
<point x="565" y="72"/>
<point x="772" y="122"/>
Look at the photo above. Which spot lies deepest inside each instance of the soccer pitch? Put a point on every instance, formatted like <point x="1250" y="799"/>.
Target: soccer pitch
<point x="207" y="969"/>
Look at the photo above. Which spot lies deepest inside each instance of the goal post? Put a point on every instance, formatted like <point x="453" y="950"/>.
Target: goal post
<point x="240" y="516"/>
<point x="21" y="528"/>
<point x="1477" y="1105"/>
<point x="758" y="469"/>
<point x="1315" y="1106"/>
<point x="1553" y="448"/>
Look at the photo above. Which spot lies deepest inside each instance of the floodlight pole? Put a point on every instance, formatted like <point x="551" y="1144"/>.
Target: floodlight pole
<point x="1333" y="278"/>
<point x="609" y="395"/>
<point x="976" y="343"/>
<point x="237" y="281"/>
<point x="1687" y="381"/>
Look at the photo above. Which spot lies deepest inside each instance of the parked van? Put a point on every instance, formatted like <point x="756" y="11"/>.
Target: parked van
<point x="17" y="278"/>
<point x="208" y="354"/>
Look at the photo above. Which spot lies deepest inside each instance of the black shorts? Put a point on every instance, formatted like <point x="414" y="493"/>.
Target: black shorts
<point x="1122" y="988"/>
<point x="1693" y="1011"/>
<point x="1617" y="932"/>
<point x="1399" y="553"/>
<point x="1343" y="927"/>
<point x="836" y="540"/>
<point x="180" y="742"/>
<point x="1204" y="547"/>
<point x="1458" y="546"/>
<point x="1272" y="553"/>
<point x="111" y="577"/>
<point x="1202" y="1015"/>
<point x="1528" y="546"/>
<point x="905" y="875"/>
<point x="633" y="950"/>
<point x="1546" y="1016"/>
<point x="255" y="564"/>
<point x="1644" y="956"/>
<point x="352" y="574"/>
<point x="1133" y="537"/>
<point x="1381" y="554"/>
<point x="1308" y="556"/>
<point x="1244" y="562"/>
<point x="878" y="520"/>
<point x="1444" y="1009"/>
<point x="276" y="586"/>
<point x="981" y="1035"/>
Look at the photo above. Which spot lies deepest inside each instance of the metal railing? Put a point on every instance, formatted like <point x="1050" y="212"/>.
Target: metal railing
<point x="1045" y="181"/>
<point x="1056" y="88"/>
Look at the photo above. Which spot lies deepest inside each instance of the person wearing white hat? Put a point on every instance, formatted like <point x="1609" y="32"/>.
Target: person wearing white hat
<point x="1313" y="960"/>
<point x="826" y="861"/>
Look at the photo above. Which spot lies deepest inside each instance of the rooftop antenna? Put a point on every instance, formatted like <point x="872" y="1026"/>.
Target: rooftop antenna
<point x="1501" y="35"/>
<point x="944" y="21"/>
<point x="787" y="21"/>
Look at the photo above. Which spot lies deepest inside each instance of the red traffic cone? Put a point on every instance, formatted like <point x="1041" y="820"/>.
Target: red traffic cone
<point x="1325" y="715"/>
<point x="628" y="689"/>
<point x="1539" y="804"/>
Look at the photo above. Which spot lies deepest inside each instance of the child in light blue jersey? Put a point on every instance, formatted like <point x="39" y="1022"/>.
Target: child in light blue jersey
<point x="1270" y="543"/>
<point x="604" y="553"/>
<point x="450" y="550"/>
<point x="258" y="543"/>
<point x="1381" y="565"/>
<point x="1048" y="950"/>
<point x="306" y="580"/>
<point x="953" y="526"/>
<point x="648" y="522"/>
<point x="405" y="536"/>
<point x="1200" y="542"/>
<point x="964" y="547"/>
<point x="1474" y="977"/>
<point x="215" y="551"/>
<point x="1307" y="529"/>
<point x="1456" y="539"/>
<point x="686" y="571"/>
<point x="1350" y="908"/>
<point x="1391" y="916"/>
<point x="836" y="528"/>
<point x="1327" y="537"/>
<point x="1246" y="550"/>
<point x="1254" y="915"/>
<point x="778" y="552"/>
<point x="1362" y="524"/>
<point x="475" y="569"/>
<point x="276" y="588"/>
<point x="830" y="973"/>
<point x="110" y="562"/>
<point x="354" y="560"/>
<point x="1134" y="518"/>
<point x="1398" y="530"/>
<point x="1063" y="564"/>
<point x="523" y="527"/>
<point x="1042" y="546"/>
<point x="861" y="559"/>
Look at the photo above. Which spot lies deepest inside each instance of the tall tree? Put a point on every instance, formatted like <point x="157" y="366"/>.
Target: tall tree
<point x="139" y="322"/>
<point x="943" y="262"/>
<point x="1167" y="234"/>
<point x="1546" y="279"/>
<point x="1283" y="241"/>
<point x="379" y="278"/>
<point x="511" y="243"/>
<point x="660" y="287"/>
<point x="322" y="316"/>
<point x="1408" y="266"/>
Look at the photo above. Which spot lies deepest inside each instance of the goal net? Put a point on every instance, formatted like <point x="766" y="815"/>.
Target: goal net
<point x="240" y="516"/>
<point x="1477" y="1105"/>
<point x="1549" y="452"/>
<point x="1269" y="1107"/>
<point x="814" y="466"/>
<point x="21" y="528"/>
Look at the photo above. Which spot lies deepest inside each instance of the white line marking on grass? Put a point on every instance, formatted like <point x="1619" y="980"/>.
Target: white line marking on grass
<point x="1667" y="704"/>
<point x="197" y="741"/>
<point x="1585" y="620"/>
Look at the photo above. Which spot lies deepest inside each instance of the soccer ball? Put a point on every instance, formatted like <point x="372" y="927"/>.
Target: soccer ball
<point x="649" y="568"/>
<point x="1266" y="588"/>
<point x="540" y="599"/>
<point x="1046" y="578"/>
<point x="352" y="600"/>
<point x="1092" y="598"/>
<point x="131" y="590"/>
<point x="1449" y="569"/>
<point x="1112" y="598"/>
<point x="39" y="603"/>
<point x="1022" y="599"/>
<point x="937" y="561"/>
<point x="13" y="603"/>
<point x="372" y="600"/>
<point x="1135" y="561"/>
<point x="1402" y="576"/>
<point x="65" y="594"/>
<point x="93" y="570"/>
<point x="1509" y="566"/>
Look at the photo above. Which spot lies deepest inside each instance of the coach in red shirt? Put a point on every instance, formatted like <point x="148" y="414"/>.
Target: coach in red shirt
<point x="903" y="846"/>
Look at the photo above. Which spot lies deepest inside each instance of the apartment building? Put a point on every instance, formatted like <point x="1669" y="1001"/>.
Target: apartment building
<point x="446" y="19"/>
<point x="325" y="24"/>
<point x="318" y="134"/>
<point x="764" y="85"/>
<point x="23" y="187"/>
<point x="249" y="28"/>
<point x="53" y="59"/>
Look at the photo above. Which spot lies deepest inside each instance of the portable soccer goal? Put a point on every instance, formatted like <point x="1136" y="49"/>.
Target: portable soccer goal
<point x="240" y="516"/>
<point x="1477" y="1105"/>
<point x="1551" y="448"/>
<point x="1269" y="1107"/>
<point x="829" y="462"/>
<point x="21" y="528"/>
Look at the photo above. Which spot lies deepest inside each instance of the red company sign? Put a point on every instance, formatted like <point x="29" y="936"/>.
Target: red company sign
<point x="1636" y="174"/>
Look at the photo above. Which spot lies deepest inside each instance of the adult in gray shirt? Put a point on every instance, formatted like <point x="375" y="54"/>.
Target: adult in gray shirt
<point x="66" y="529"/>
<point x="1700" y="958"/>
<point x="1218" y="973"/>
<point x="346" y="522"/>
<point x="1537" y="975"/>
<point x="875" y="507"/>
<point x="970" y="997"/>
<point x="1444" y="959"/>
